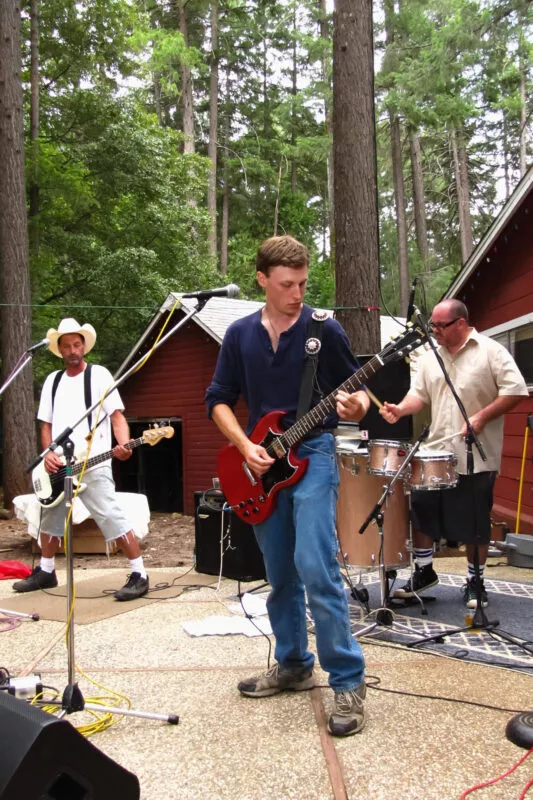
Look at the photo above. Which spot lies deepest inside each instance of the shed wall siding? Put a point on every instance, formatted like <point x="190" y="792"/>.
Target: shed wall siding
<point x="173" y="383"/>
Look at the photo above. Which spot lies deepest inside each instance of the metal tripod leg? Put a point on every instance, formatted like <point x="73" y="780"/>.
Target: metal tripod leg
<point x="72" y="699"/>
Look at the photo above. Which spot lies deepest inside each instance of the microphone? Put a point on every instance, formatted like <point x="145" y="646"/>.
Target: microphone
<point x="411" y="303"/>
<point x="231" y="290"/>
<point x="42" y="343"/>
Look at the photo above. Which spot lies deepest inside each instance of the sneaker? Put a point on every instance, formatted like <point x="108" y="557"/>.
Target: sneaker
<point x="349" y="714"/>
<point x="134" y="587"/>
<point x="277" y="680"/>
<point x="423" y="578"/>
<point x="470" y="594"/>
<point x="39" y="579"/>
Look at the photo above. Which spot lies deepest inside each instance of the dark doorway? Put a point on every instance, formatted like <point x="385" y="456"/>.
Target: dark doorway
<point x="154" y="470"/>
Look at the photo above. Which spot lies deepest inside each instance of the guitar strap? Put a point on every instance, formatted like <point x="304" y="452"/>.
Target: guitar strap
<point x="313" y="344"/>
<point x="86" y="391"/>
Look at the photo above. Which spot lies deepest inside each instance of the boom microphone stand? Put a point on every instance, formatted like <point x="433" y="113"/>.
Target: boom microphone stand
<point x="384" y="615"/>
<point x="19" y="366"/>
<point x="72" y="699"/>
<point x="479" y="620"/>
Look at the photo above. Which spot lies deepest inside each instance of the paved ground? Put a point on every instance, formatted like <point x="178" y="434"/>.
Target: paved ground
<point x="226" y="746"/>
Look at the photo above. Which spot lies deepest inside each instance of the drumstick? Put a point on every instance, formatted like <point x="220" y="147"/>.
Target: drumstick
<point x="373" y="397"/>
<point x="446" y="438"/>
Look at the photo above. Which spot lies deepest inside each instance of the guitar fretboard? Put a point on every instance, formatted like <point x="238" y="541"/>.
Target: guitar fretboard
<point x="315" y="417"/>
<point x="92" y="462"/>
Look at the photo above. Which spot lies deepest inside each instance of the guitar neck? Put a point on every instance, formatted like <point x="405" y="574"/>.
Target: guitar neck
<point x="77" y="468"/>
<point x="315" y="417"/>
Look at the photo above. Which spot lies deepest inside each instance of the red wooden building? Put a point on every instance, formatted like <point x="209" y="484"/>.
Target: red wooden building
<point x="496" y="284"/>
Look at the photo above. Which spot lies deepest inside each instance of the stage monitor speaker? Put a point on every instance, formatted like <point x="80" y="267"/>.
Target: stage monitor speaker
<point x="390" y="383"/>
<point x="242" y="559"/>
<point x="45" y="758"/>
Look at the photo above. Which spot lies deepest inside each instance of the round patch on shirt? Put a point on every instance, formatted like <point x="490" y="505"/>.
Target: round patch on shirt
<point x="312" y="346"/>
<point x="320" y="316"/>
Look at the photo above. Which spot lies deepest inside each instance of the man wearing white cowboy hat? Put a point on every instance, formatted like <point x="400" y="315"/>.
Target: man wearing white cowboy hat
<point x="63" y="402"/>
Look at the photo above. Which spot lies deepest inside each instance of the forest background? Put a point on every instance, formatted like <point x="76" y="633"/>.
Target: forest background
<point x="164" y="139"/>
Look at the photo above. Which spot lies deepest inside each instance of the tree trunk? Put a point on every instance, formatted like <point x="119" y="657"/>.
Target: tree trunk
<point x="34" y="128"/>
<point x="399" y="201"/>
<point x="19" y="441"/>
<point x="419" y="200"/>
<point x="225" y="185"/>
<point x="213" y="132"/>
<point x="156" y="84"/>
<point x="324" y="32"/>
<point x="354" y="148"/>
<point x="463" y="193"/>
<point x="523" y="108"/>
<point x="294" y="90"/>
<point x="186" y="86"/>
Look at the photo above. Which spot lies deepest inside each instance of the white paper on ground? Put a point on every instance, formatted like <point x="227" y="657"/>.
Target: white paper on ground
<point x="254" y="605"/>
<point x="222" y="626"/>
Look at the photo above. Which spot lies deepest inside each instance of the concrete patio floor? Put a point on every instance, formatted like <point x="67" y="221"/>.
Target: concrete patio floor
<point x="230" y="747"/>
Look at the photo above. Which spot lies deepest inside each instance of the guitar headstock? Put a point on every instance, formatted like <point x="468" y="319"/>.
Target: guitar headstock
<point x="404" y="343"/>
<point x="154" y="435"/>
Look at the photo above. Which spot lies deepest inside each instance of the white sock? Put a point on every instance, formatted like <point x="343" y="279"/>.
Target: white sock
<point x="137" y="565"/>
<point x="472" y="571"/>
<point x="47" y="564"/>
<point x="423" y="556"/>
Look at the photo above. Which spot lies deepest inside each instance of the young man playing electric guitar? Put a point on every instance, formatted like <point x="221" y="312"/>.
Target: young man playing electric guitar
<point x="262" y="358"/>
<point x="64" y="400"/>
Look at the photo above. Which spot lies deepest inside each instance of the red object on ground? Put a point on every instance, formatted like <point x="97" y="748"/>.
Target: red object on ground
<point x="13" y="569"/>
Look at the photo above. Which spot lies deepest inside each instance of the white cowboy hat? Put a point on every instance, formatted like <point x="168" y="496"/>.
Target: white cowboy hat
<point x="70" y="325"/>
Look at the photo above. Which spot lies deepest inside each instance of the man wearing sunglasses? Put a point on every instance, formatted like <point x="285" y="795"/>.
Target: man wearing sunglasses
<point x="489" y="383"/>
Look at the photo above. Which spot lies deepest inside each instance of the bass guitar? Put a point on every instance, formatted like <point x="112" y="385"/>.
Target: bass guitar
<point x="253" y="498"/>
<point x="48" y="488"/>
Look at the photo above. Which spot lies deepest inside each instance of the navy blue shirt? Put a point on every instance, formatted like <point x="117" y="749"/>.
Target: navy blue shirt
<point x="270" y="381"/>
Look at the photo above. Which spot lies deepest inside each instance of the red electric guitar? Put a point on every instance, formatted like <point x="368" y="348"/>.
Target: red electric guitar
<point x="253" y="498"/>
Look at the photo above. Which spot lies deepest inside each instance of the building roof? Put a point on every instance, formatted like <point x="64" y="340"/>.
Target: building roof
<point x="217" y="315"/>
<point x="499" y="224"/>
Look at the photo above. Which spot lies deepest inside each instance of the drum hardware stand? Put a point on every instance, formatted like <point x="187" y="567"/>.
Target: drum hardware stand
<point x="479" y="620"/>
<point x="384" y="616"/>
<point x="72" y="699"/>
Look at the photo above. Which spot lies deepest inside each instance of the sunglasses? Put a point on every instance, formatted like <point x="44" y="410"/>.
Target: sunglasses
<point x="441" y="325"/>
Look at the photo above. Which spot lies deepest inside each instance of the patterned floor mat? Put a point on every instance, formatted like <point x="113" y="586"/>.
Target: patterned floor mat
<point x="507" y="642"/>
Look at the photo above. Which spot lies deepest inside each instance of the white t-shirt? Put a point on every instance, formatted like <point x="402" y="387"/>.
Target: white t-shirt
<point x="69" y="407"/>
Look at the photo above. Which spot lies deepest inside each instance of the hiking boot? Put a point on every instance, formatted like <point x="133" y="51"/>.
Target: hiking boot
<point x="39" y="579"/>
<point x="349" y="714"/>
<point x="133" y="588"/>
<point x="423" y="578"/>
<point x="470" y="594"/>
<point x="277" y="680"/>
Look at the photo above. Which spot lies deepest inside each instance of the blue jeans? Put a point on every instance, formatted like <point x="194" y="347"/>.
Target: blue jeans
<point x="299" y="546"/>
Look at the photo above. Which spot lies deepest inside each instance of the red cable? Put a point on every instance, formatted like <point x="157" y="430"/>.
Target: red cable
<point x="501" y="777"/>
<point x="526" y="789"/>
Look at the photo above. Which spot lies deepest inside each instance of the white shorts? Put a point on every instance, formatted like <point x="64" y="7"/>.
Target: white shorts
<point x="100" y="499"/>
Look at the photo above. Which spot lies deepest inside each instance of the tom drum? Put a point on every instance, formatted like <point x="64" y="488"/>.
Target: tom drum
<point x="431" y="470"/>
<point x="359" y="492"/>
<point x="385" y="456"/>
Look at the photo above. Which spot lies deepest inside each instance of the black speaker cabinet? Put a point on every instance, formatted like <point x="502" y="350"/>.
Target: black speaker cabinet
<point x="45" y="758"/>
<point x="242" y="559"/>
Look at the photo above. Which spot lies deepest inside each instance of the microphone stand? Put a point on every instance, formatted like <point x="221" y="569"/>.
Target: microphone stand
<point x="72" y="699"/>
<point x="384" y="616"/>
<point x="21" y="363"/>
<point x="479" y="620"/>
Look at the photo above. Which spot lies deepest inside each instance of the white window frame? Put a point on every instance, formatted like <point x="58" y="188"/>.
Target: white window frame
<point x="510" y="327"/>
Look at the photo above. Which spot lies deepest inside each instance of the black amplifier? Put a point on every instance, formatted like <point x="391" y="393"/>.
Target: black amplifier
<point x="242" y="559"/>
